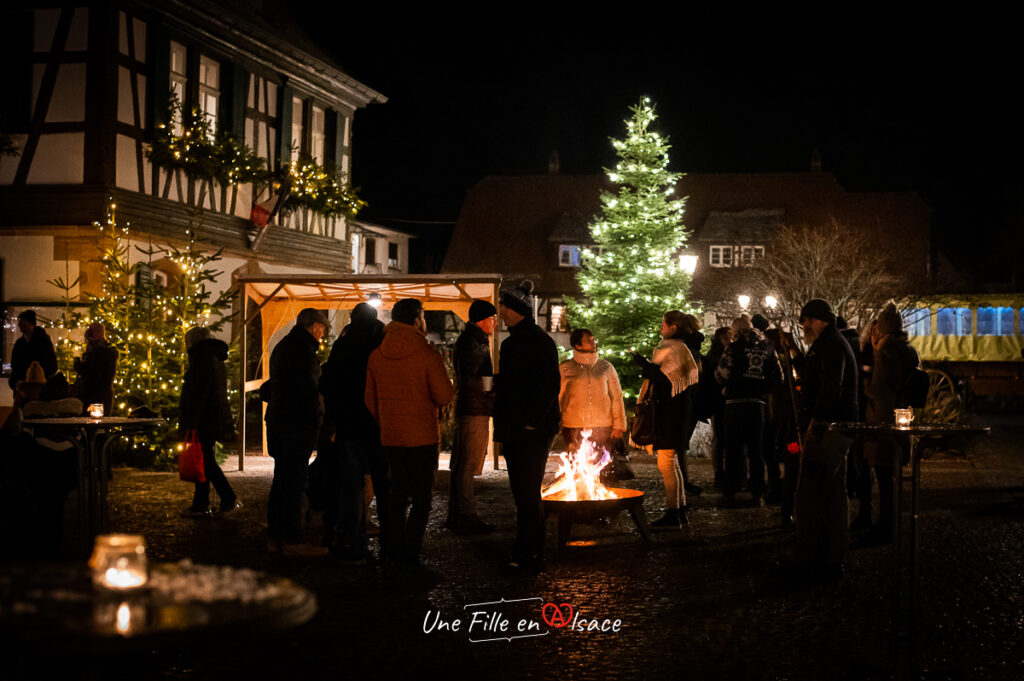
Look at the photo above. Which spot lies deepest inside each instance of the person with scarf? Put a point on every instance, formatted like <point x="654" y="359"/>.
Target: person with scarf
<point x="591" y="396"/>
<point x="669" y="374"/>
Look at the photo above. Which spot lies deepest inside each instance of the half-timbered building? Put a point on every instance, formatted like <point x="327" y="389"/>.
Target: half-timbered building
<point x="86" y="87"/>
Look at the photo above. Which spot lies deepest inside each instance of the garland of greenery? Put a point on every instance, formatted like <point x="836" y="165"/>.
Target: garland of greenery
<point x="203" y="155"/>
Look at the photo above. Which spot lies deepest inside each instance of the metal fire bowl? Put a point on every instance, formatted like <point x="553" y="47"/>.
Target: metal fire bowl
<point x="627" y="498"/>
<point x="569" y="512"/>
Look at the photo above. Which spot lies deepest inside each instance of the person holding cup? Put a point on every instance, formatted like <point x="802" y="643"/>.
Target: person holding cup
<point x="474" y="405"/>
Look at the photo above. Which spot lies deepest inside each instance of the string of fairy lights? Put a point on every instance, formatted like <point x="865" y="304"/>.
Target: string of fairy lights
<point x="146" y="321"/>
<point x="632" y="275"/>
<point x="188" y="142"/>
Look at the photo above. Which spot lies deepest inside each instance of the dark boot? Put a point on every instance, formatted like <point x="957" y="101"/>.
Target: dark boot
<point x="691" y="488"/>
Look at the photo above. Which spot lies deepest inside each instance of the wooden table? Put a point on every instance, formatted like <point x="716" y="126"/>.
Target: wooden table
<point x="909" y="437"/>
<point x="93" y="460"/>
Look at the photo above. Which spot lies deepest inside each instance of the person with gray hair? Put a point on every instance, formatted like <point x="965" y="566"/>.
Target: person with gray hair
<point x="293" y="420"/>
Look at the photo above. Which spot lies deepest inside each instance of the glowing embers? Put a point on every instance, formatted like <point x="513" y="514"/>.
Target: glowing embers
<point x="579" y="474"/>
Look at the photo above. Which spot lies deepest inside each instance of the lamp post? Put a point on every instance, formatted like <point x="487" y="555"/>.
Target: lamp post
<point x="744" y="301"/>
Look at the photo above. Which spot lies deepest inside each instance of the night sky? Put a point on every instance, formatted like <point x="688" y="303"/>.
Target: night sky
<point x="918" y="105"/>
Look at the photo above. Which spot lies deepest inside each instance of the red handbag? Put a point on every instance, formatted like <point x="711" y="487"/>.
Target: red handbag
<point x="190" y="459"/>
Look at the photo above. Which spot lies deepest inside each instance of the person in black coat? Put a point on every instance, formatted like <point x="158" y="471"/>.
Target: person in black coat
<point x="474" y="405"/>
<point x="294" y="411"/>
<point x="204" y="410"/>
<point x="828" y="394"/>
<point x="355" y="449"/>
<point x="526" y="418"/>
<point x="33" y="346"/>
<point x="96" y="369"/>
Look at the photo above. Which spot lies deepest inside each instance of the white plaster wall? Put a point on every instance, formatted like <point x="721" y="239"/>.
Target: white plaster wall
<point x="28" y="264"/>
<point x="59" y="159"/>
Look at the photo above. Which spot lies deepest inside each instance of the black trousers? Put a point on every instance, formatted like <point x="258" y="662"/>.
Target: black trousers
<point x="412" y="485"/>
<point x="526" y="455"/>
<point x="214" y="475"/>
<point x="290" y="449"/>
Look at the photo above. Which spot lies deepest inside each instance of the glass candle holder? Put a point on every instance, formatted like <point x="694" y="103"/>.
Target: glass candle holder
<point x="903" y="417"/>
<point x="96" y="410"/>
<point x="118" y="562"/>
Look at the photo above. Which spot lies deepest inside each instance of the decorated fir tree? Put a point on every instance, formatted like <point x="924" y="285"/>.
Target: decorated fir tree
<point x="633" y="275"/>
<point x="146" y="323"/>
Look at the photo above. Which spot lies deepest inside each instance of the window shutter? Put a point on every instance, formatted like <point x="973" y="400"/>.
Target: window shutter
<point x="284" y="121"/>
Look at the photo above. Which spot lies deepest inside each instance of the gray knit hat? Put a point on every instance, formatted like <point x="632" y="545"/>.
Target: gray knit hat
<point x="519" y="298"/>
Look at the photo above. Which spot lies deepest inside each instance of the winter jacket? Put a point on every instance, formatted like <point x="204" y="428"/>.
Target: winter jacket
<point x="295" y="403"/>
<point x="37" y="348"/>
<point x="749" y="368"/>
<point x="673" y="396"/>
<point x="829" y="384"/>
<point x="343" y="383"/>
<point x="894" y="359"/>
<point x="204" y="394"/>
<point x="96" y="369"/>
<point x="591" y="396"/>
<point x="472" y="362"/>
<point x="406" y="384"/>
<point x="528" y="383"/>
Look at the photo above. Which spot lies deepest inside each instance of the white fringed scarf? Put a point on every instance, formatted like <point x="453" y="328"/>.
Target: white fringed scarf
<point x="675" y="361"/>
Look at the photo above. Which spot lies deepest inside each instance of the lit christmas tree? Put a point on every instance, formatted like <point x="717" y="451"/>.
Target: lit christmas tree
<point x="146" y="323"/>
<point x="633" y="275"/>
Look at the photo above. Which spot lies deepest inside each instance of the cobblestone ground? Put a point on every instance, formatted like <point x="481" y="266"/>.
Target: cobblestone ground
<point x="711" y="601"/>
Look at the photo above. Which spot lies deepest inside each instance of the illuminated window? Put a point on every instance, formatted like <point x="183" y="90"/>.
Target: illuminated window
<point x="557" y="321"/>
<point x="178" y="77"/>
<point x="995" y="321"/>
<point x="569" y="256"/>
<point x="317" y="135"/>
<point x="721" y="256"/>
<point x="392" y="255"/>
<point x="209" y="90"/>
<point x="297" y="130"/>
<point x="953" y="321"/>
<point x="918" y="322"/>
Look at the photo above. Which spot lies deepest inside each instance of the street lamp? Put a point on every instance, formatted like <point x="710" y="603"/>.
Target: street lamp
<point x="771" y="302"/>
<point x="688" y="263"/>
<point x="375" y="300"/>
<point x="744" y="301"/>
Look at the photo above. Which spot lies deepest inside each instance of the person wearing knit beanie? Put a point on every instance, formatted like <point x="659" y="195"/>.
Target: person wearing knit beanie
<point x="474" y="405"/>
<point x="520" y="298"/>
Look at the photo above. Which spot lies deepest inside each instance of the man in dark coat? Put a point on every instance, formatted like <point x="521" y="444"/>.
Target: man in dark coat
<point x="96" y="369"/>
<point x="293" y="421"/>
<point x="205" y="410"/>
<point x="356" y="446"/>
<point x="749" y="370"/>
<point x="829" y="394"/>
<point x="474" y="404"/>
<point x="33" y="346"/>
<point x="526" y="418"/>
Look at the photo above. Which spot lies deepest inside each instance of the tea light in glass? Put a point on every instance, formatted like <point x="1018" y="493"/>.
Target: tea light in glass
<point x="903" y="417"/>
<point x="118" y="562"/>
<point x="96" y="410"/>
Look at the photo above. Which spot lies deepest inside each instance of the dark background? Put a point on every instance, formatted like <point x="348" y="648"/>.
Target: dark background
<point x="925" y="104"/>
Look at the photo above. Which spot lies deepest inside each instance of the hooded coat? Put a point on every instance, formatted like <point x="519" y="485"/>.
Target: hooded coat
<point x="343" y="383"/>
<point x="204" y="393"/>
<point x="406" y="384"/>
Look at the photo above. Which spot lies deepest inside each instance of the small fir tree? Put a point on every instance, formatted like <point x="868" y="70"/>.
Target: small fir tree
<point x="146" y="323"/>
<point x="632" y="276"/>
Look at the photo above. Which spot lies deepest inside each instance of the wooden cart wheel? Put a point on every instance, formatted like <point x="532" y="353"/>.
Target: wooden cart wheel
<point x="943" y="404"/>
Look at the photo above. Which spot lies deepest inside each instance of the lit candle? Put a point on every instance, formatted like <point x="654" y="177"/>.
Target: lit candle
<point x="118" y="562"/>
<point x="96" y="410"/>
<point x="904" y="417"/>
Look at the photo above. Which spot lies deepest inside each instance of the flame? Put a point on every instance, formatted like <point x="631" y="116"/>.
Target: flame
<point x="579" y="474"/>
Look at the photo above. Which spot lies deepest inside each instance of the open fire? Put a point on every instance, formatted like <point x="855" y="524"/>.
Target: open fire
<point x="579" y="474"/>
